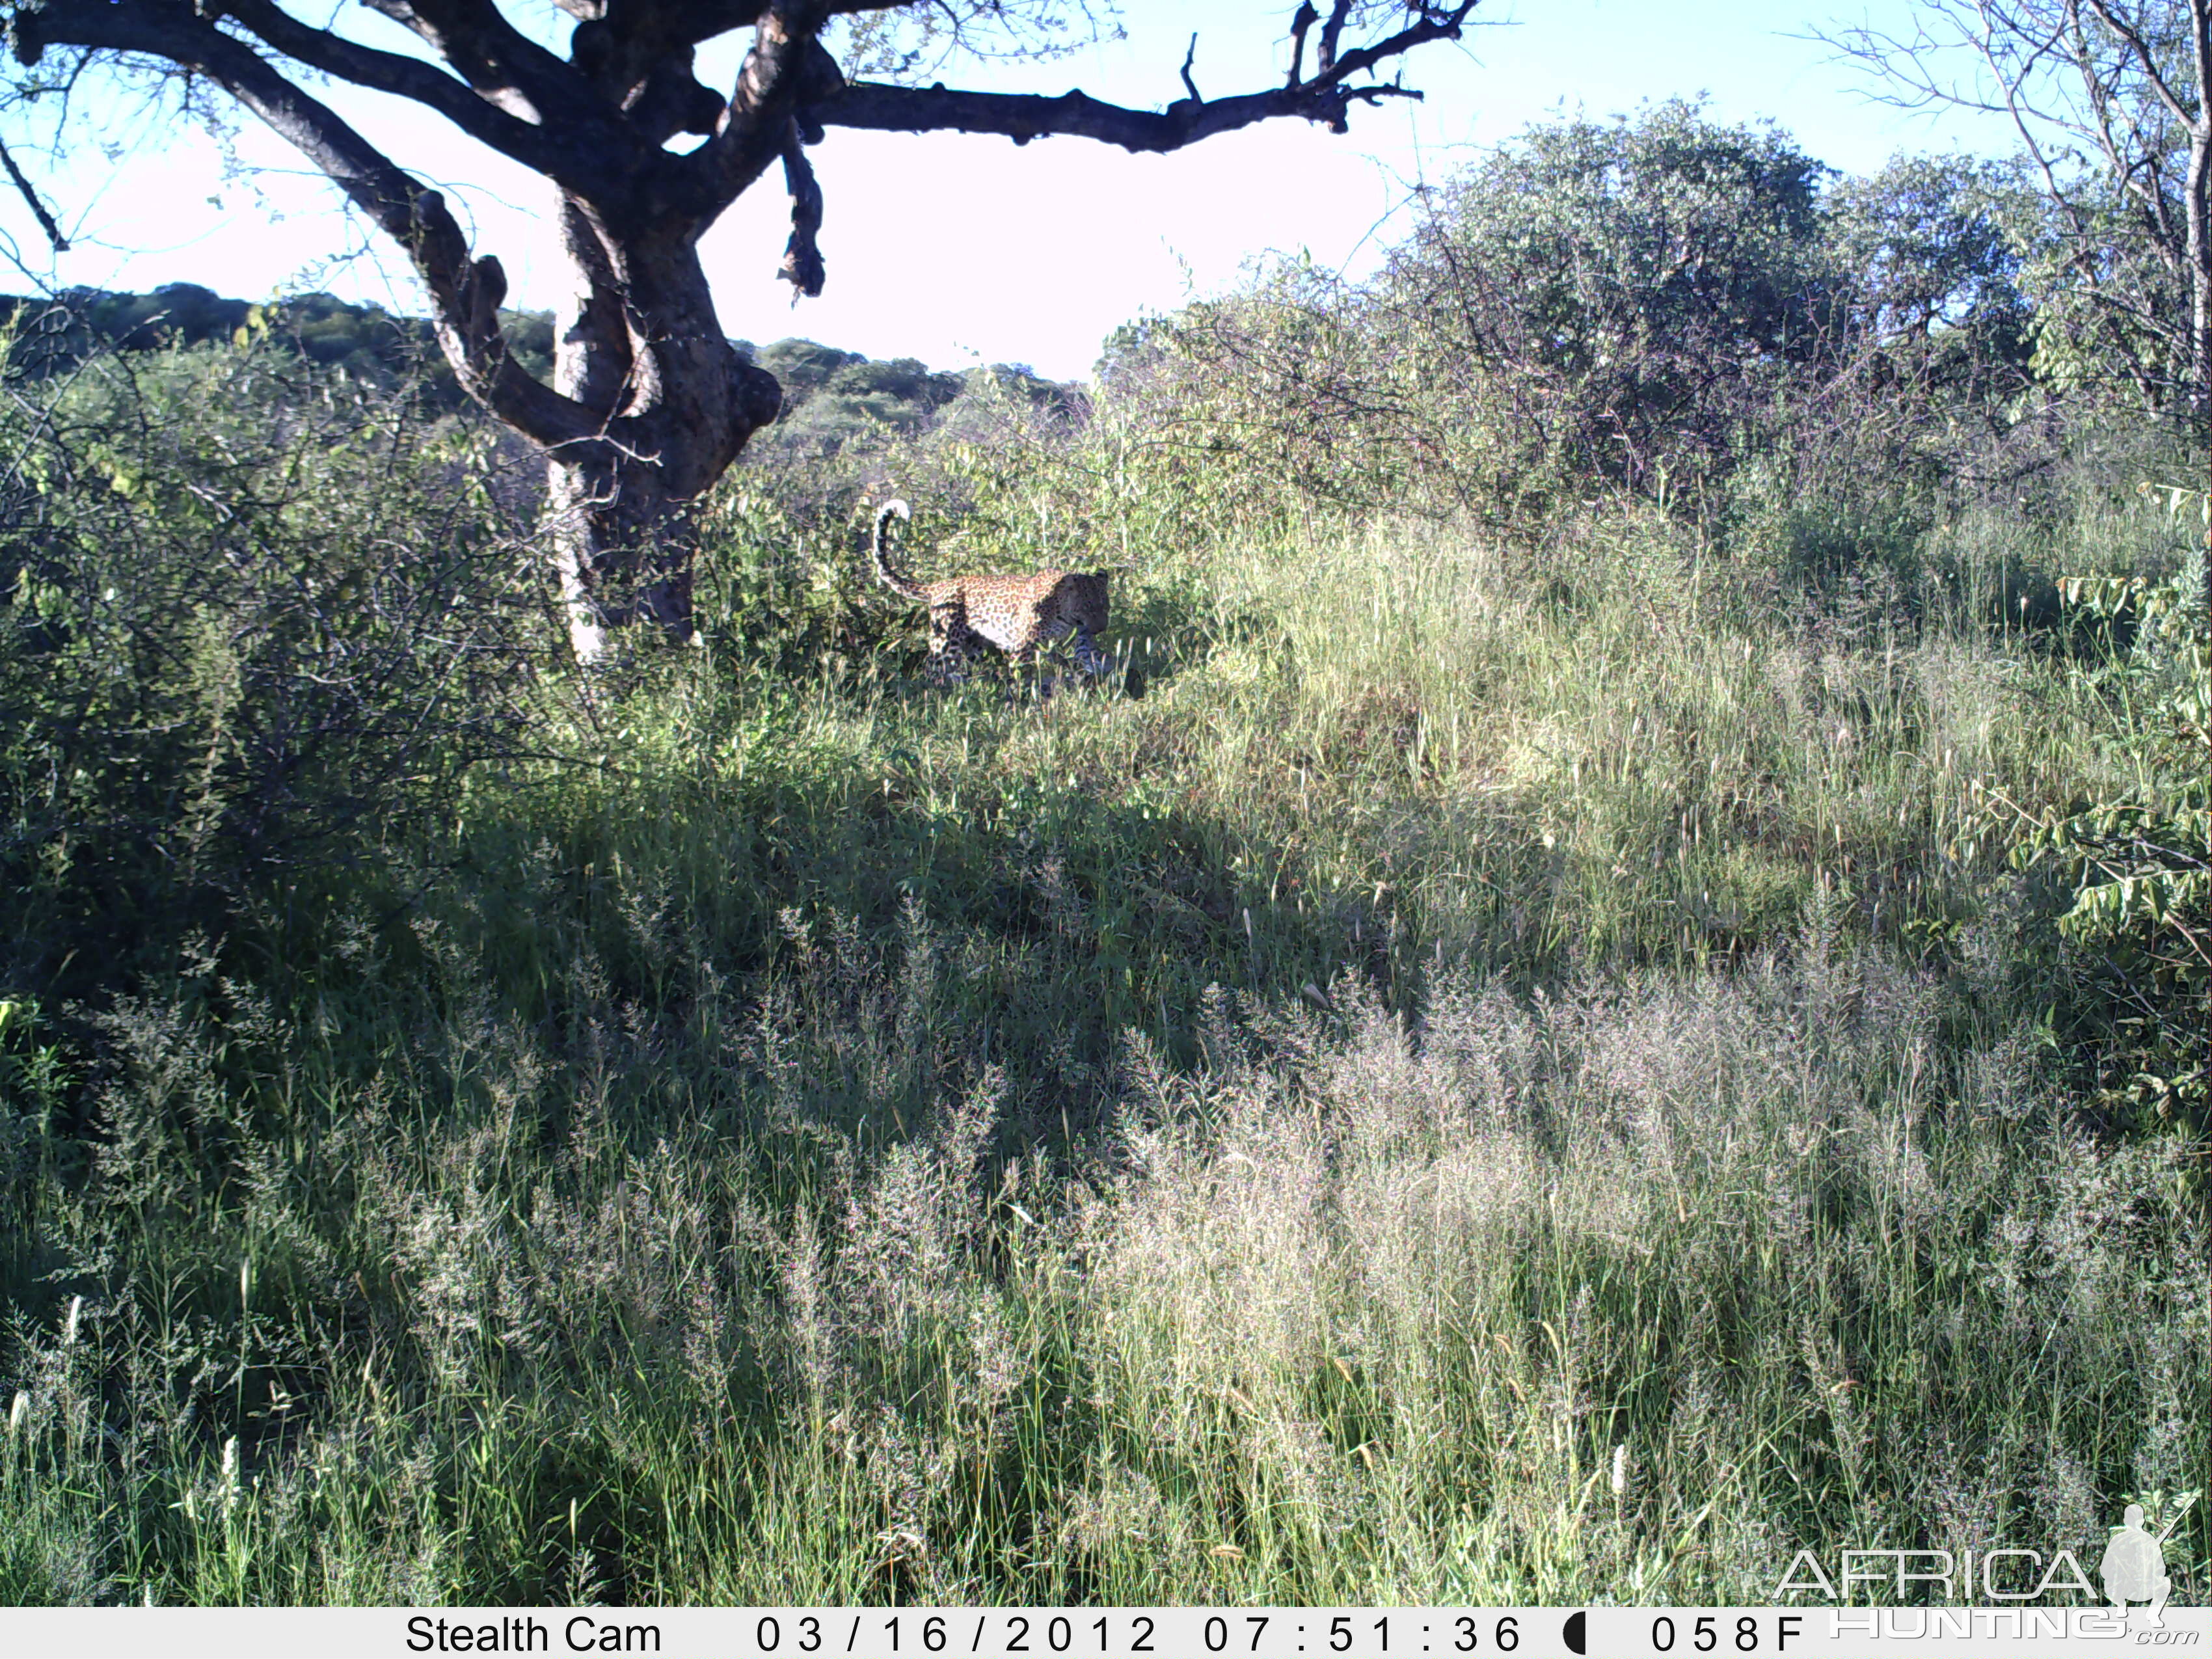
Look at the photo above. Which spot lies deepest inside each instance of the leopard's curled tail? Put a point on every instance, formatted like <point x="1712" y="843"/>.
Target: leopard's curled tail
<point x="904" y="587"/>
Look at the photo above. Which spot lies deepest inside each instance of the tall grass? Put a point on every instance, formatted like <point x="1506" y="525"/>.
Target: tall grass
<point x="1496" y="1077"/>
<point x="1628" y="1291"/>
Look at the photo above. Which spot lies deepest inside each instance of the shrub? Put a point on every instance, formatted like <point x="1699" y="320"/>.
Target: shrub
<point x="2139" y="860"/>
<point x="252" y="616"/>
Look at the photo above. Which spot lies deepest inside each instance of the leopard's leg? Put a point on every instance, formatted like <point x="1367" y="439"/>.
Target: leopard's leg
<point x="1089" y="657"/>
<point x="1032" y="677"/>
<point x="1046" y="642"/>
<point x="948" y="644"/>
<point x="1031" y="661"/>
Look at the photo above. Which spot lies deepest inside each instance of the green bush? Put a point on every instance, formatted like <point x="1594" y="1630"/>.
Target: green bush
<point x="254" y="617"/>
<point x="2139" y="858"/>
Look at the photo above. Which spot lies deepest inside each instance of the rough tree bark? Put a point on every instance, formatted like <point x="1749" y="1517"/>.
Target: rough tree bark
<point x="636" y="337"/>
<point x="649" y="403"/>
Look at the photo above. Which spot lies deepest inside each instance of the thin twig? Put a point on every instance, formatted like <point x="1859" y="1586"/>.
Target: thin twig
<point x="39" y="209"/>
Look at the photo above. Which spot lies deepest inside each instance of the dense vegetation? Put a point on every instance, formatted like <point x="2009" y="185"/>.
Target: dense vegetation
<point x="1614" y="990"/>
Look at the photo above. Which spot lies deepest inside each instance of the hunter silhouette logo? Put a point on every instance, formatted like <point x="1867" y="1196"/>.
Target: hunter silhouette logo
<point x="2134" y="1567"/>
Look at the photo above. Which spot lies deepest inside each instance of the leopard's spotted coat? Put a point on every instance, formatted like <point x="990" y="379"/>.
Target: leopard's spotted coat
<point x="1019" y="615"/>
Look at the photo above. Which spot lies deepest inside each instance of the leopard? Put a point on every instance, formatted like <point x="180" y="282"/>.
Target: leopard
<point x="1018" y="615"/>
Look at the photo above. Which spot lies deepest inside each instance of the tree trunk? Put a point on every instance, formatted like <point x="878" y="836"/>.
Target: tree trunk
<point x="637" y="343"/>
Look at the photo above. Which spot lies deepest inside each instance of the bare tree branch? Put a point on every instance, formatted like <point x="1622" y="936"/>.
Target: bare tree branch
<point x="1077" y="114"/>
<point x="2116" y="79"/>
<point x="1304" y="19"/>
<point x="622" y="43"/>
<point x="2146" y="60"/>
<point x="1439" y="25"/>
<point x="783" y="59"/>
<point x="465" y="294"/>
<point x="1022" y="116"/>
<point x="580" y="159"/>
<point x="671" y="100"/>
<point x="2199" y="44"/>
<point x="490" y="53"/>
<point x="31" y="199"/>
<point x="1331" y="32"/>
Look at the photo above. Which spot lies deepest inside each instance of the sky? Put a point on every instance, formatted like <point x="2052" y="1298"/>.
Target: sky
<point x="956" y="248"/>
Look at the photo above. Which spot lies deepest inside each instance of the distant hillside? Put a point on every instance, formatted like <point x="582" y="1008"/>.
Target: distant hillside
<point x="52" y="335"/>
<point x="833" y="400"/>
<point x="839" y="403"/>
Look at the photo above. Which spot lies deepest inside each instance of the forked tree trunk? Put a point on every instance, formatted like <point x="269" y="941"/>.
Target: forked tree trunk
<point x="637" y="342"/>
